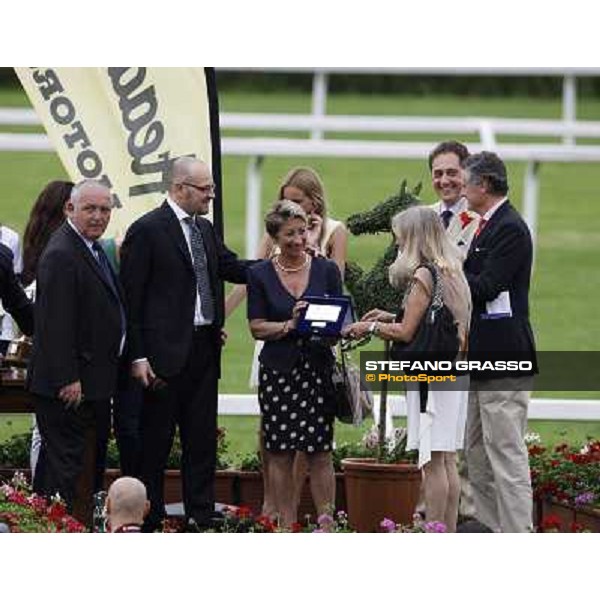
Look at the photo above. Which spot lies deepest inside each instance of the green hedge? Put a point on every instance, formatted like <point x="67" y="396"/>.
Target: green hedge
<point x="390" y="84"/>
<point x="487" y="86"/>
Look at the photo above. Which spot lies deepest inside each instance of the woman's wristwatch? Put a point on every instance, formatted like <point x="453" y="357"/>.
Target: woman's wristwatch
<point x="374" y="328"/>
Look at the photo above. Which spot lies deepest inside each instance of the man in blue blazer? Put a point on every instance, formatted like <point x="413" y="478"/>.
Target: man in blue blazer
<point x="498" y="269"/>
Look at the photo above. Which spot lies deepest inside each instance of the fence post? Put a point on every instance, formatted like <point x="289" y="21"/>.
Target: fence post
<point x="569" y="105"/>
<point x="319" y="101"/>
<point x="253" y="205"/>
<point x="530" y="200"/>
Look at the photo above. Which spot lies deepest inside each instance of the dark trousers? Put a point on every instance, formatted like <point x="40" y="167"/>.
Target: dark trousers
<point x="189" y="400"/>
<point x="103" y="427"/>
<point x="127" y="413"/>
<point x="70" y="437"/>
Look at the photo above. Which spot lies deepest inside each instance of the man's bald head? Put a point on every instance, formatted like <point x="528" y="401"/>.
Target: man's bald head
<point x="127" y="502"/>
<point x="184" y="167"/>
<point x="192" y="186"/>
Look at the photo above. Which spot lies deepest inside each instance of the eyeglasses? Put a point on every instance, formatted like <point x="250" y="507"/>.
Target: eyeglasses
<point x="205" y="189"/>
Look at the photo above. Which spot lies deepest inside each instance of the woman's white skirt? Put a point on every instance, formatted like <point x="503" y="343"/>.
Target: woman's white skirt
<point x="442" y="427"/>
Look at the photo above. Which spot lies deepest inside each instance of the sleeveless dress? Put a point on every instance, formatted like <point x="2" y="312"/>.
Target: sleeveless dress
<point x="442" y="427"/>
<point x="330" y="226"/>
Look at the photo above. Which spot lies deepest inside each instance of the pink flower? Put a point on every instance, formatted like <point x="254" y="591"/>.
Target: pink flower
<point x="326" y="522"/>
<point x="435" y="527"/>
<point x="388" y="525"/>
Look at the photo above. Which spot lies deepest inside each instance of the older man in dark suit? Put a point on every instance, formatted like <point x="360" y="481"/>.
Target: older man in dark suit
<point x="172" y="268"/>
<point x="498" y="269"/>
<point x="77" y="345"/>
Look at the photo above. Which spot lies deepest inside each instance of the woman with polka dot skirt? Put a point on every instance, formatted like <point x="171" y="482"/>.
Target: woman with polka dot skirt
<point x="295" y="372"/>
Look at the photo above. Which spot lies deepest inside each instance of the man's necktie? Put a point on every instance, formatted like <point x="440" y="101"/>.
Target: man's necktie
<point x="105" y="267"/>
<point x="481" y="227"/>
<point x="110" y="277"/>
<point x="446" y="217"/>
<point x="201" y="271"/>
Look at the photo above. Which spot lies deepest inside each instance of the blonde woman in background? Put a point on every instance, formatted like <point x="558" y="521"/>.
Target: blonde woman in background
<point x="327" y="237"/>
<point x="438" y="433"/>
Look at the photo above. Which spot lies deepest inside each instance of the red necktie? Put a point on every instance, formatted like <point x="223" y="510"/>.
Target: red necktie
<point x="480" y="227"/>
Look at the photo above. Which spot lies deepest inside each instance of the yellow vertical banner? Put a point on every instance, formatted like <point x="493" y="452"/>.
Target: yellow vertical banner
<point x="125" y="126"/>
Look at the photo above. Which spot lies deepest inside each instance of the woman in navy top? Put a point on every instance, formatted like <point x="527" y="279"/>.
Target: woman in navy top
<point x="295" y="373"/>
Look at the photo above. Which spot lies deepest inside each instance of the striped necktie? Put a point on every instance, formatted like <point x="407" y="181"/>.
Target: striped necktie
<point x="201" y="271"/>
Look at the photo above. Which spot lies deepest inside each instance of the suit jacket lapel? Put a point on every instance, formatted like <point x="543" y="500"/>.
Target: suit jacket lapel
<point x="174" y="231"/>
<point x="83" y="249"/>
<point x="491" y="225"/>
<point x="209" y="248"/>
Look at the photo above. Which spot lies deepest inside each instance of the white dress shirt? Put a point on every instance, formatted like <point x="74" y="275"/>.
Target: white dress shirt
<point x="185" y="228"/>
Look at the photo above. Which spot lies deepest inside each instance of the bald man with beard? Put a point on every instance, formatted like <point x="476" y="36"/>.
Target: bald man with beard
<point x="173" y="265"/>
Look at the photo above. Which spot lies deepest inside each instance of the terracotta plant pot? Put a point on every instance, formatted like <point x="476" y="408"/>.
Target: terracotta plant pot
<point x="248" y="490"/>
<point x="224" y="485"/>
<point x="172" y="486"/>
<point x="375" y="491"/>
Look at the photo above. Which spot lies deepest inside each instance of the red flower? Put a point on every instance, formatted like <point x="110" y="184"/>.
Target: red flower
<point x="465" y="218"/>
<point x="244" y="512"/>
<point x="57" y="512"/>
<point x="72" y="526"/>
<point x="551" y="523"/>
<point x="17" y="498"/>
<point x="296" y="528"/>
<point x="536" y="450"/>
<point x="266" y="524"/>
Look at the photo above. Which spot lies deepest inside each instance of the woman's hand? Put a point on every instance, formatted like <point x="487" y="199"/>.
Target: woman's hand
<point x="357" y="331"/>
<point x="315" y="227"/>
<point x="298" y="308"/>
<point x="379" y="315"/>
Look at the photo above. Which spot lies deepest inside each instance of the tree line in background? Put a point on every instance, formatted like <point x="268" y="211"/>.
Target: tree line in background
<point x="392" y="84"/>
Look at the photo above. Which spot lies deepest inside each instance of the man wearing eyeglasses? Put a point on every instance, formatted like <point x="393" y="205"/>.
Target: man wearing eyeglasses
<point x="172" y="268"/>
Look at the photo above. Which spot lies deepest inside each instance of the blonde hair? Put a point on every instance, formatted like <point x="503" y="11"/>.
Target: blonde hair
<point x="308" y="181"/>
<point x="422" y="239"/>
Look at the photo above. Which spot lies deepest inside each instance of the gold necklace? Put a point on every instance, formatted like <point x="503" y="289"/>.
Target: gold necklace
<point x="290" y="269"/>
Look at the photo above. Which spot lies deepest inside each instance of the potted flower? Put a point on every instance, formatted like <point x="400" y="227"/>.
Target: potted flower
<point x="381" y="480"/>
<point x="566" y="484"/>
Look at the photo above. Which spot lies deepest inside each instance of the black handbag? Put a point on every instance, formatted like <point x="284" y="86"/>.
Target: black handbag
<point x="436" y="338"/>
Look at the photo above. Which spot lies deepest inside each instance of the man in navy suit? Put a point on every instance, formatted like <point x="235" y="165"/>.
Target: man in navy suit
<point x="172" y="267"/>
<point x="498" y="269"/>
<point x="79" y="337"/>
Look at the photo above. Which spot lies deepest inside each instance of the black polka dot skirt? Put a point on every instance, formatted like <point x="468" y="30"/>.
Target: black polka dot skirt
<point x="296" y="409"/>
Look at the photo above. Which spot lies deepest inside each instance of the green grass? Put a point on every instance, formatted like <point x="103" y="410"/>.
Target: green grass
<point x="567" y="273"/>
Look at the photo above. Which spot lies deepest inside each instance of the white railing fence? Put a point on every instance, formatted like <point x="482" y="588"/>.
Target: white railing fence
<point x="318" y="124"/>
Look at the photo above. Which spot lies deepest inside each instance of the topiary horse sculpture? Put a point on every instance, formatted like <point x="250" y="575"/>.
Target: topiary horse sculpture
<point x="372" y="289"/>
